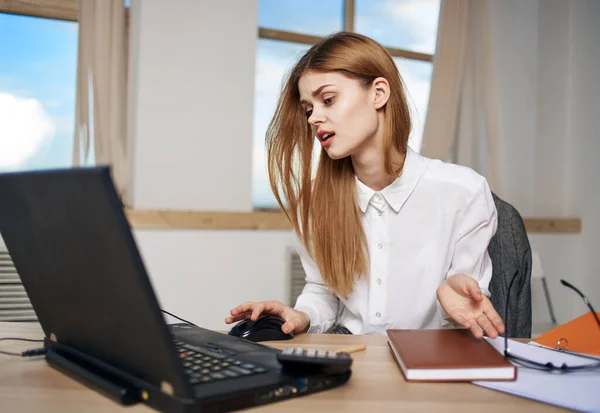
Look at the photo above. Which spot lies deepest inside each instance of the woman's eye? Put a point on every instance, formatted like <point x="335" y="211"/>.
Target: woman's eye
<point x="308" y="113"/>
<point x="328" y="101"/>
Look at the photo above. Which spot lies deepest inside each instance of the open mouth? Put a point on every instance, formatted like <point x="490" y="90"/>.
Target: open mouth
<point x="327" y="136"/>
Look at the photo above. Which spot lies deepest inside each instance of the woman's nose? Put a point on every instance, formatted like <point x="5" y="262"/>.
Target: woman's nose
<point x="316" y="118"/>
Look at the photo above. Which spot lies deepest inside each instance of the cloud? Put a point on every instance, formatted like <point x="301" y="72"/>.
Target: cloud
<point x="24" y="126"/>
<point x="272" y="65"/>
<point x="268" y="81"/>
<point x="421" y="17"/>
<point x="417" y="95"/>
<point x="270" y="73"/>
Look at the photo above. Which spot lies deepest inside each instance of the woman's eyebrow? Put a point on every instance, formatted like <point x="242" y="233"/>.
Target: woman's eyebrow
<point x="315" y="93"/>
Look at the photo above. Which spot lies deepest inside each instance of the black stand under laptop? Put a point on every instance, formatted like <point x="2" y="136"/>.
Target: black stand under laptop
<point x="73" y="249"/>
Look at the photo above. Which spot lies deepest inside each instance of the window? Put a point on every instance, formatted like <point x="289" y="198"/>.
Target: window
<point x="38" y="63"/>
<point x="299" y="16"/>
<point x="408" y="28"/>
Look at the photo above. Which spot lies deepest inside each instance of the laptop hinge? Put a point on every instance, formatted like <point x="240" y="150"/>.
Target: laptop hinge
<point x="91" y="376"/>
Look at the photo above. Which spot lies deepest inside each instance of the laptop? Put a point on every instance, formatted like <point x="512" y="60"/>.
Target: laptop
<point x="72" y="246"/>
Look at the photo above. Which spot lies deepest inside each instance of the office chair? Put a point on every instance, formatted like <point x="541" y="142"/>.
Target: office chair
<point x="537" y="275"/>
<point x="510" y="253"/>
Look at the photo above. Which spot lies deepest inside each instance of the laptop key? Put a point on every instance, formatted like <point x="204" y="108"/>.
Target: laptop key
<point x="230" y="373"/>
<point x="218" y="376"/>
<point x="240" y="370"/>
<point x="204" y="351"/>
<point x="247" y="366"/>
<point x="259" y="370"/>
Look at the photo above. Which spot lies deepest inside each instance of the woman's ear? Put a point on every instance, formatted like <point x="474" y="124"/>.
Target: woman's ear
<point x="381" y="87"/>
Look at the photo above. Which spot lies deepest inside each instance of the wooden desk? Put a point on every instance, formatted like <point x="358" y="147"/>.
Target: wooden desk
<point x="30" y="385"/>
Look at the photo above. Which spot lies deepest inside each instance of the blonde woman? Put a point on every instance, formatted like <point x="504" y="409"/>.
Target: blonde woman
<point x="388" y="238"/>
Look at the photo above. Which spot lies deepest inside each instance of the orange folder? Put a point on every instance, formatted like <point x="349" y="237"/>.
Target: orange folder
<point x="582" y="335"/>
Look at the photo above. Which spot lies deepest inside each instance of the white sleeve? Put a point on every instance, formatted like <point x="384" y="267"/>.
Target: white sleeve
<point x="316" y="300"/>
<point x="476" y="226"/>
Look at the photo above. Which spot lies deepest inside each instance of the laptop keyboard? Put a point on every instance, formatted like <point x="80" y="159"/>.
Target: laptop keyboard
<point x="203" y="365"/>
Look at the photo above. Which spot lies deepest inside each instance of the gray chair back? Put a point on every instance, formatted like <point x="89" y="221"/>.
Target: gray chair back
<point x="510" y="253"/>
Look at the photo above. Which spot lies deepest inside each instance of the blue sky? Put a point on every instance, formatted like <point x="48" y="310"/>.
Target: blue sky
<point x="38" y="60"/>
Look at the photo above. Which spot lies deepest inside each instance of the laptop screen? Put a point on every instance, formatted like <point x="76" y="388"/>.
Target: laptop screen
<point x="73" y="249"/>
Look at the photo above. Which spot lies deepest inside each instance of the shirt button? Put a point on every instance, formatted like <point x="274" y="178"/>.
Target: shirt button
<point x="377" y="315"/>
<point x="379" y="281"/>
<point x="380" y="246"/>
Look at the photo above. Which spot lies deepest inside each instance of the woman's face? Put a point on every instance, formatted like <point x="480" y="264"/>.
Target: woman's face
<point x="341" y="111"/>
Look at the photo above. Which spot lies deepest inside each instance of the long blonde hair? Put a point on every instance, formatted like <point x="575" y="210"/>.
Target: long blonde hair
<point x="325" y="212"/>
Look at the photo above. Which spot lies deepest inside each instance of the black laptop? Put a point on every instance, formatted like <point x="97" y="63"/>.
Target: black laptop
<point x="72" y="246"/>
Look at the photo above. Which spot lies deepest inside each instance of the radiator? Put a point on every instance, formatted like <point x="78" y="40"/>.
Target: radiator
<point x="14" y="302"/>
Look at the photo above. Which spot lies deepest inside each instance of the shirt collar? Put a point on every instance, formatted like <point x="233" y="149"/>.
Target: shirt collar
<point x="398" y="191"/>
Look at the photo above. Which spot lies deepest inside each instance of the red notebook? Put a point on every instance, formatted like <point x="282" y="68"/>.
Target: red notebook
<point x="447" y="355"/>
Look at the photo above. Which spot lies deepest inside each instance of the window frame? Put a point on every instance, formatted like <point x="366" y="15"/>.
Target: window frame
<point x="349" y="9"/>
<point x="252" y="220"/>
<point x="49" y="9"/>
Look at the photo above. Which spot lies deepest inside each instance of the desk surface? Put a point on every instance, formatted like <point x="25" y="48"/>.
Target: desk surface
<point x="30" y="385"/>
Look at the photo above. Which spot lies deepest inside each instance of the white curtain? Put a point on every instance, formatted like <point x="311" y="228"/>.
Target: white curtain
<point x="461" y="124"/>
<point x="101" y="107"/>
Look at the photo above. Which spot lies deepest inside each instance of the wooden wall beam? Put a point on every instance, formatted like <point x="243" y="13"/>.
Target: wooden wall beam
<point x="49" y="9"/>
<point x="169" y="219"/>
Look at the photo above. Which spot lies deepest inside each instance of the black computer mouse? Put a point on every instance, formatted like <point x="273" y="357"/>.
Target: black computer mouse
<point x="265" y="328"/>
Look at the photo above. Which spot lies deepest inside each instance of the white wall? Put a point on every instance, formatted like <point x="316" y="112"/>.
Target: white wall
<point x="546" y="53"/>
<point x="583" y="143"/>
<point x="514" y="34"/>
<point x="192" y="73"/>
<point x="192" y="76"/>
<point x="201" y="275"/>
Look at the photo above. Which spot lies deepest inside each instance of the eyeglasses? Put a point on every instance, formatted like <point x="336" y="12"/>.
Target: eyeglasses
<point x="585" y="300"/>
<point x="525" y="362"/>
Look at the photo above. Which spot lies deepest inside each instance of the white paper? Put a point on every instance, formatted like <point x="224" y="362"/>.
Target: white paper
<point x="574" y="390"/>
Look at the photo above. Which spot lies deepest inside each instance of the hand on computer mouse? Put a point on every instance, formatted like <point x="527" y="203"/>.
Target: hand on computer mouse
<point x="295" y="321"/>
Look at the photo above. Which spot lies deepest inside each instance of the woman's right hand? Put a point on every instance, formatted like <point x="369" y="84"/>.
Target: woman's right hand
<point x="295" y="321"/>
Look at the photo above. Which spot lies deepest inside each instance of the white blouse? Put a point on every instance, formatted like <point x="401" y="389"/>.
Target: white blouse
<point x="434" y="221"/>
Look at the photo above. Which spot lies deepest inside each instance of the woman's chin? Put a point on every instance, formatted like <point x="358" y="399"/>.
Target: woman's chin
<point x="336" y="154"/>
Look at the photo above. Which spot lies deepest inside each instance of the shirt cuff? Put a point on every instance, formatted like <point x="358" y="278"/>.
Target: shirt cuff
<point x="317" y="324"/>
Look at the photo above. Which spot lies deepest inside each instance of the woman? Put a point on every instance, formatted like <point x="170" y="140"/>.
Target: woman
<point x="388" y="238"/>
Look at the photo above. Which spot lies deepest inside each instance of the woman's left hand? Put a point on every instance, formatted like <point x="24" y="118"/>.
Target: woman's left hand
<point x="462" y="299"/>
